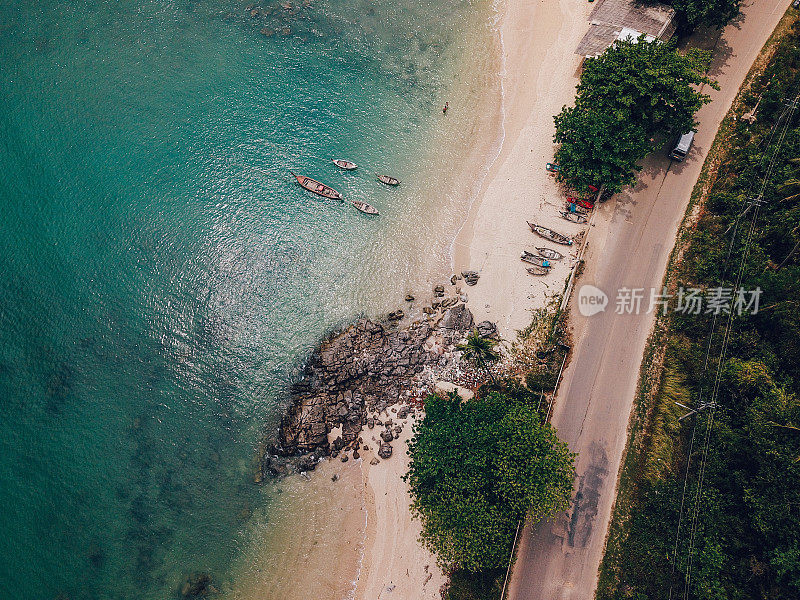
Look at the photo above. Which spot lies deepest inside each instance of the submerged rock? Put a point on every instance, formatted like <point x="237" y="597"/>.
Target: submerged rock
<point x="197" y="585"/>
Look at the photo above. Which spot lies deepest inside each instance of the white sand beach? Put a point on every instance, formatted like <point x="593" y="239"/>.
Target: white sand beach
<point x="377" y="553"/>
<point x="540" y="75"/>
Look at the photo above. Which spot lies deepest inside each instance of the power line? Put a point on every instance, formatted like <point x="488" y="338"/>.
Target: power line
<point x="754" y="203"/>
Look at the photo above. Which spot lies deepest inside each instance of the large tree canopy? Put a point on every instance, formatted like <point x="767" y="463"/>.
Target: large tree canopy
<point x="635" y="92"/>
<point x="716" y="13"/>
<point x="479" y="467"/>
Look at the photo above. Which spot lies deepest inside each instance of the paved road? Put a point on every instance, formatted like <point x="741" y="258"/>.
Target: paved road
<point x="628" y="247"/>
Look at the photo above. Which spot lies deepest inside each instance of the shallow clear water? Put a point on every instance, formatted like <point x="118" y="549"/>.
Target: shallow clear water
<point x="162" y="278"/>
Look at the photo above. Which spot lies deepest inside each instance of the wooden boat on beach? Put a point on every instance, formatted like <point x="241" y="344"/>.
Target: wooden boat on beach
<point x="535" y="259"/>
<point x="549" y="234"/>
<point x="316" y="187"/>
<point x="388" y="180"/>
<point x="537" y="271"/>
<point x="549" y="253"/>
<point x="365" y="208"/>
<point x="572" y="217"/>
<point x="344" y="164"/>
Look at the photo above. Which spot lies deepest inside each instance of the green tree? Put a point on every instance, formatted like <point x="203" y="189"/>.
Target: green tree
<point x="628" y="98"/>
<point x="715" y="13"/>
<point x="481" y="351"/>
<point x="476" y="469"/>
<point x="598" y="149"/>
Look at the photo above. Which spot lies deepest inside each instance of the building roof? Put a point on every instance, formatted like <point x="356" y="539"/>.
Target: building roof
<point x="610" y="17"/>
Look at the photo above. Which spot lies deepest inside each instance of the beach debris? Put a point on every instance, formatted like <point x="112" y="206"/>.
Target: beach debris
<point x="438" y="291"/>
<point x="396" y="315"/>
<point x="409" y="298"/>
<point x="453" y="280"/>
<point x="470" y="277"/>
<point x="335" y="477"/>
<point x="374" y="461"/>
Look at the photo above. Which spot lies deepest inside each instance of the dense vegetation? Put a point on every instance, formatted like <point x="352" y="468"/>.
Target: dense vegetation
<point x="716" y="496"/>
<point x="714" y="13"/>
<point x="628" y="99"/>
<point x="478" y="468"/>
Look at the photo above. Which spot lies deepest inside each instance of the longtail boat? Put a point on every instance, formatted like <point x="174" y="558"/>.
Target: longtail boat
<point x="344" y="164"/>
<point x="549" y="234"/>
<point x="364" y="207"/>
<point x="572" y="217"/>
<point x="549" y="253"/>
<point x="537" y="271"/>
<point x="535" y="259"/>
<point x="318" y="188"/>
<point x="388" y="180"/>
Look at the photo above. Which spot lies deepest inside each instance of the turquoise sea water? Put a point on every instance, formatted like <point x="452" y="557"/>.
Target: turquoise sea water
<point x="162" y="278"/>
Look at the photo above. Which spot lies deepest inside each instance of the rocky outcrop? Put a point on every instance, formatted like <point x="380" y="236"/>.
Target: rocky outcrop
<point x="362" y="370"/>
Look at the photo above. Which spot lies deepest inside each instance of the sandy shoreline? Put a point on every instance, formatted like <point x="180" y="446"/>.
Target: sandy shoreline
<point x="537" y="40"/>
<point x="369" y="545"/>
<point x="539" y="77"/>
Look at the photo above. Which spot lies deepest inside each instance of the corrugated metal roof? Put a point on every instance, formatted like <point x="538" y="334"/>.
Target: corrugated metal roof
<point x="610" y="17"/>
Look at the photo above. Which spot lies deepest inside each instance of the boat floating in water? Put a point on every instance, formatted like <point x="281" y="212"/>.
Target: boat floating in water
<point x="388" y="180"/>
<point x="365" y="208"/>
<point x="549" y="253"/>
<point x="549" y="234"/>
<point x="316" y="187"/>
<point x="344" y="164"/>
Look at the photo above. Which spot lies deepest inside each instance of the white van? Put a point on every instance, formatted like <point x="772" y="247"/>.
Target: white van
<point x="681" y="149"/>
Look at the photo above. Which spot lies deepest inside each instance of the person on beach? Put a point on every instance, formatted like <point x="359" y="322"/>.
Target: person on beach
<point x="446" y="106"/>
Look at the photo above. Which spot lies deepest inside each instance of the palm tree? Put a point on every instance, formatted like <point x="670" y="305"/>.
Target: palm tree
<point x="480" y="350"/>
